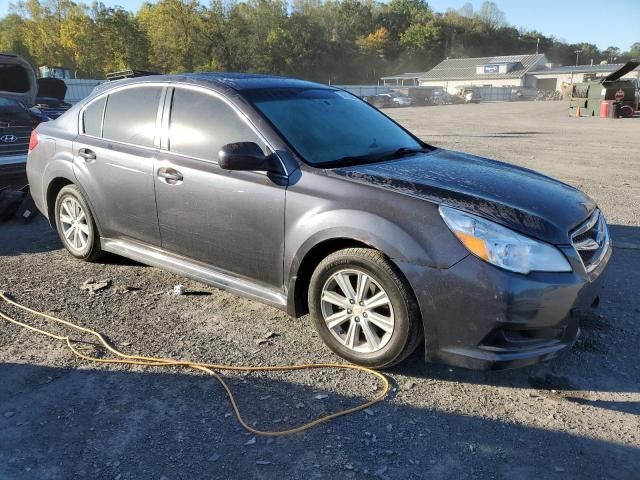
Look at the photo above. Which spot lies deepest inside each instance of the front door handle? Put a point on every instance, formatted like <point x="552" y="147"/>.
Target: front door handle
<point x="170" y="176"/>
<point x="88" y="155"/>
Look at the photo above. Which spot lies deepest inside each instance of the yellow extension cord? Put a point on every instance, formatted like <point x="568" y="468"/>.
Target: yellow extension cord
<point x="205" y="367"/>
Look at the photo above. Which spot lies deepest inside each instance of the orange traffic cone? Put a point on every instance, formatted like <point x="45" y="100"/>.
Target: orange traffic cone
<point x="578" y="113"/>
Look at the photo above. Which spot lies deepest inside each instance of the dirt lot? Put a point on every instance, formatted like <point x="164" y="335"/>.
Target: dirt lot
<point x="575" y="417"/>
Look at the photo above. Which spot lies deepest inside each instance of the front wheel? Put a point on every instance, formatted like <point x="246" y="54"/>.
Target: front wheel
<point x="364" y="309"/>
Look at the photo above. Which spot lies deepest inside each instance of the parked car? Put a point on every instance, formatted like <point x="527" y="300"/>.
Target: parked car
<point x="470" y="95"/>
<point x="16" y="125"/>
<point x="304" y="197"/>
<point x="427" y="95"/>
<point x="391" y="99"/>
<point x="18" y="89"/>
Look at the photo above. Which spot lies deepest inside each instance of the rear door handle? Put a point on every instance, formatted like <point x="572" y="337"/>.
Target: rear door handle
<point x="170" y="176"/>
<point x="88" y="155"/>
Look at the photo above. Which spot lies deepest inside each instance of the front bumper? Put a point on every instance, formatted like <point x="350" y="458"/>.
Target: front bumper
<point x="479" y="316"/>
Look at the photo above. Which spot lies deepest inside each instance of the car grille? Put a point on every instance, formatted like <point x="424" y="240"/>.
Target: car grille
<point x="21" y="131"/>
<point x="591" y="240"/>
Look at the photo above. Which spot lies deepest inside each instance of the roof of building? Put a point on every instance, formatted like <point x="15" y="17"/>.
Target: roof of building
<point x="465" y="68"/>
<point x="606" y="68"/>
<point x="404" y="76"/>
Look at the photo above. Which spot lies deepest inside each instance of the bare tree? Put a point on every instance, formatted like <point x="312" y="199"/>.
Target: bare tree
<point x="491" y="16"/>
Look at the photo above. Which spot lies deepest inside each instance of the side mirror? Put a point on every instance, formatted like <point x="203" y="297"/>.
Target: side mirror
<point x="243" y="156"/>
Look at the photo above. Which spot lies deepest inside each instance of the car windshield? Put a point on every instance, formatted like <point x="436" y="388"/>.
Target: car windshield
<point x="331" y="127"/>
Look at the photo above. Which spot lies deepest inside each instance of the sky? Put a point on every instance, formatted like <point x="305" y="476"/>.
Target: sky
<point x="603" y="22"/>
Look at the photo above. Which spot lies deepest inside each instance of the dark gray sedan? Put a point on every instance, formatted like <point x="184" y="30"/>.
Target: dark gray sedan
<point x="306" y="198"/>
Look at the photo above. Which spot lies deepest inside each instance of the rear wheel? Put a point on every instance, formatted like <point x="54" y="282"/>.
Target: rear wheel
<point x="75" y="224"/>
<point x="364" y="309"/>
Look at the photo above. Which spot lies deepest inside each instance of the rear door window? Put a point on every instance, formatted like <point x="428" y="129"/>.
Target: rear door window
<point x="130" y="116"/>
<point x="200" y="125"/>
<point x="92" y="117"/>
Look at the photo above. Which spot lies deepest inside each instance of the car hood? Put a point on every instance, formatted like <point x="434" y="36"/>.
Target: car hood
<point x="526" y="201"/>
<point x="51" y="88"/>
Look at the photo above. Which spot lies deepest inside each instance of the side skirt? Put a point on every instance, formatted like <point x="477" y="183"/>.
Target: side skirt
<point x="157" y="257"/>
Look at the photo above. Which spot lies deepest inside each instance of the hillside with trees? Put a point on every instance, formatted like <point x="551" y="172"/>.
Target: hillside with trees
<point x="340" y="41"/>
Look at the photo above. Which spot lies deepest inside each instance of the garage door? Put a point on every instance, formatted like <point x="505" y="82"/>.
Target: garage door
<point x="547" y="83"/>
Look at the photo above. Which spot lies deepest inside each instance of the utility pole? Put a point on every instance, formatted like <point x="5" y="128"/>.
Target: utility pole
<point x="537" y="46"/>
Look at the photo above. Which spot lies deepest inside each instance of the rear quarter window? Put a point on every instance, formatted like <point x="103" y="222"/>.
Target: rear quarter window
<point x="130" y="116"/>
<point x="92" y="118"/>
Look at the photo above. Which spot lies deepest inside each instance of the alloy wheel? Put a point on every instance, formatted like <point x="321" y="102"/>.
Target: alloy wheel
<point x="357" y="311"/>
<point x="75" y="227"/>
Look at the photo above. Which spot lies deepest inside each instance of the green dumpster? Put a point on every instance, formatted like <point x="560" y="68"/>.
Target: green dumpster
<point x="589" y="95"/>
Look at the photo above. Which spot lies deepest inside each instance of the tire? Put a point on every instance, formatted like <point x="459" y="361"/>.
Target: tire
<point x="78" y="233"/>
<point x="365" y="334"/>
<point x="626" y="111"/>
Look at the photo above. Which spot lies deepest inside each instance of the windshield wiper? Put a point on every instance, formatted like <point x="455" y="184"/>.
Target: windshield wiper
<point x="400" y="152"/>
<point x="349" y="160"/>
<point x="372" y="157"/>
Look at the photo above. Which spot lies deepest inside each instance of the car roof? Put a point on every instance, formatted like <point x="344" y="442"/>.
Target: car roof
<point x="235" y="81"/>
<point x="244" y="81"/>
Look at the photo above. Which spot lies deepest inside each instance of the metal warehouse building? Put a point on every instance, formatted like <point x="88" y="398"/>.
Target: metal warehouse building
<point x="530" y="71"/>
<point x="553" y="78"/>
<point x="454" y="73"/>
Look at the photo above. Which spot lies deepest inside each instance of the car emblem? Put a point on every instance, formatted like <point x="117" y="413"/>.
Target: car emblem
<point x="8" y="138"/>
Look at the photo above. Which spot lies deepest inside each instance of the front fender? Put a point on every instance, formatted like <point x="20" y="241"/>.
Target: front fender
<point x="368" y="228"/>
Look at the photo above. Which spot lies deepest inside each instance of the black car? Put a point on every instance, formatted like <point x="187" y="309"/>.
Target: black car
<point x="305" y="197"/>
<point x="16" y="124"/>
<point x="18" y="117"/>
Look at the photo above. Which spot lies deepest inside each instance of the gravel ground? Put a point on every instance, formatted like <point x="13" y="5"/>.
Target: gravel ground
<point x="575" y="417"/>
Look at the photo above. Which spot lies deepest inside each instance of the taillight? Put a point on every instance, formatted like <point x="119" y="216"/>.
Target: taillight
<point x="33" y="140"/>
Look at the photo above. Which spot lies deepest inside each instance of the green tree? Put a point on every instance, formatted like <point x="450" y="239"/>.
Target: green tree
<point x="12" y="28"/>
<point x="338" y="41"/>
<point x="118" y="40"/>
<point x="634" y="51"/>
<point x="174" y="29"/>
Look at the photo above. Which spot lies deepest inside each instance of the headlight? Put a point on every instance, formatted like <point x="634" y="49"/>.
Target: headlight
<point x="501" y="246"/>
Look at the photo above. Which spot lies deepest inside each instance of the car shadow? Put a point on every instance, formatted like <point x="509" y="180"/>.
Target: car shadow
<point x="82" y="423"/>
<point x="625" y="236"/>
<point x="618" y="406"/>
<point x="36" y="236"/>
<point x="113" y="259"/>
